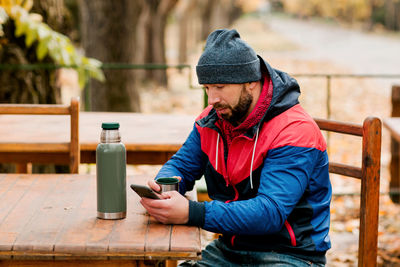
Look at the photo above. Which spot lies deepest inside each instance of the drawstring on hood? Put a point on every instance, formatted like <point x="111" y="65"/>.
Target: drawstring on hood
<point x="252" y="156"/>
<point x="229" y="132"/>
<point x="216" y="154"/>
<point x="252" y="159"/>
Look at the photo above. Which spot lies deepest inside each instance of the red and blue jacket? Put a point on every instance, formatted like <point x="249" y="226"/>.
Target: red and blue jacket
<point x="271" y="188"/>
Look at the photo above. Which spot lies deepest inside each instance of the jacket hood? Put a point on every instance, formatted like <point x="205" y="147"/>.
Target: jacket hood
<point x="286" y="91"/>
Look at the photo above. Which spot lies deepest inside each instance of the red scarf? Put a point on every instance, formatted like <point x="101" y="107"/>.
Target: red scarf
<point x="229" y="131"/>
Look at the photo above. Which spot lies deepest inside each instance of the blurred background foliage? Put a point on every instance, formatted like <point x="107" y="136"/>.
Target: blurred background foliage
<point x="131" y="35"/>
<point x="24" y="36"/>
<point x="371" y="13"/>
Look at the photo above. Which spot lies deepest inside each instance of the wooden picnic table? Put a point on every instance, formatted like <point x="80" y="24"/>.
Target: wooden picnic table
<point x="393" y="125"/>
<point x="50" y="219"/>
<point x="149" y="138"/>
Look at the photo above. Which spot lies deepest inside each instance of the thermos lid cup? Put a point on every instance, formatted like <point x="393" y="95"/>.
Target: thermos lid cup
<point x="167" y="180"/>
<point x="110" y="125"/>
<point x="168" y="184"/>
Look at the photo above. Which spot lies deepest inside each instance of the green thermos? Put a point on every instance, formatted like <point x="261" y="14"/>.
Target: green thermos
<point x="111" y="173"/>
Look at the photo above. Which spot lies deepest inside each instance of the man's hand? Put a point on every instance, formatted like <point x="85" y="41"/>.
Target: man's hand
<point x="172" y="209"/>
<point x="154" y="186"/>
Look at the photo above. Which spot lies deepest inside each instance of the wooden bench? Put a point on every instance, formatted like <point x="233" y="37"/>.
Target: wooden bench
<point x="369" y="173"/>
<point x="71" y="148"/>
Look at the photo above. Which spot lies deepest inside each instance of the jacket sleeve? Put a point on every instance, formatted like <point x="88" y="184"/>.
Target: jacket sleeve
<point x="284" y="178"/>
<point x="187" y="163"/>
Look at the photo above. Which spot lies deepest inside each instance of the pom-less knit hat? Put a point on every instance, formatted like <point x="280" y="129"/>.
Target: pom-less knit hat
<point x="227" y="59"/>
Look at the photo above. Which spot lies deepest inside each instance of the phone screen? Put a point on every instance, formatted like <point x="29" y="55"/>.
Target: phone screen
<point x="144" y="191"/>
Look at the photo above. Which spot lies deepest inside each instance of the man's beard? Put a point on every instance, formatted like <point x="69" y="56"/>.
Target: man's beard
<point x="238" y="111"/>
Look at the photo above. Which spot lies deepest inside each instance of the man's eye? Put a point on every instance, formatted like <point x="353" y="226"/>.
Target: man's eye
<point x="220" y="87"/>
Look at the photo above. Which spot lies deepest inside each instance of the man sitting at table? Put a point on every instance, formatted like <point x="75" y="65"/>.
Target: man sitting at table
<point x="264" y="160"/>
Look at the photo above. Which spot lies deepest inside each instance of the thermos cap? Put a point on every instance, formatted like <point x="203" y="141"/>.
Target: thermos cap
<point x="110" y="125"/>
<point x="110" y="132"/>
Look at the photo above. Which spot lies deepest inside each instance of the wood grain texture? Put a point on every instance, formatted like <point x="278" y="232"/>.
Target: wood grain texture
<point x="369" y="173"/>
<point x="75" y="263"/>
<point x="184" y="242"/>
<point x="27" y="130"/>
<point x="344" y="169"/>
<point x="13" y="192"/>
<point x="53" y="216"/>
<point x="369" y="206"/>
<point x="74" y="234"/>
<point x="38" y="109"/>
<point x="74" y="146"/>
<point x="339" y="127"/>
<point x="148" y="138"/>
<point x="41" y="233"/>
<point x="21" y="214"/>
<point x="157" y="237"/>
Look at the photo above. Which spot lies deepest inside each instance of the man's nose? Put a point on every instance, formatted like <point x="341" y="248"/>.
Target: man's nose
<point x="213" y="98"/>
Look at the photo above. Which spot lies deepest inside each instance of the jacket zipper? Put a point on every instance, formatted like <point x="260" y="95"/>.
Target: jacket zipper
<point x="236" y="195"/>
<point x="291" y="233"/>
<point x="233" y="240"/>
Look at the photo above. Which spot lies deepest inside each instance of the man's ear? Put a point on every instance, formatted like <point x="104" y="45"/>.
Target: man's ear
<point x="252" y="85"/>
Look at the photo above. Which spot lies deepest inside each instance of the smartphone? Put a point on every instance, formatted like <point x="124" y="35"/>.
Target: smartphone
<point x="144" y="191"/>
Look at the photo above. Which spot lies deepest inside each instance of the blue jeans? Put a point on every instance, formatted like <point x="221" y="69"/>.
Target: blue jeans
<point x="218" y="254"/>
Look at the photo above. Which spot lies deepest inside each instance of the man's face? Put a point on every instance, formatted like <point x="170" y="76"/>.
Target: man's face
<point x="231" y="101"/>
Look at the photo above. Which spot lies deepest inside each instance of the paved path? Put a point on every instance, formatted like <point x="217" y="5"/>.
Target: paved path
<point x="362" y="52"/>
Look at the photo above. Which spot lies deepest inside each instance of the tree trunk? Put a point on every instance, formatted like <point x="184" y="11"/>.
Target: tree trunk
<point x="25" y="86"/>
<point x="108" y="30"/>
<point x="55" y="14"/>
<point x="218" y="14"/>
<point x="374" y="9"/>
<point x="153" y="23"/>
<point x="36" y="86"/>
<point x="206" y="13"/>
<point x="392" y="15"/>
<point x="184" y="14"/>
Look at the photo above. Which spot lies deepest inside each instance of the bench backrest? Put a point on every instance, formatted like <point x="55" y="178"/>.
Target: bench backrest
<point x="40" y="109"/>
<point x="369" y="173"/>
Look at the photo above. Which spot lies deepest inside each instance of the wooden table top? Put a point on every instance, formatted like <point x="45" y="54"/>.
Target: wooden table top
<point x="393" y="125"/>
<point x="54" y="216"/>
<point x="139" y="132"/>
<point x="148" y="138"/>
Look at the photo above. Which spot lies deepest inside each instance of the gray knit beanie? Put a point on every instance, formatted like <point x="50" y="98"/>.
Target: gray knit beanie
<point x="227" y="59"/>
